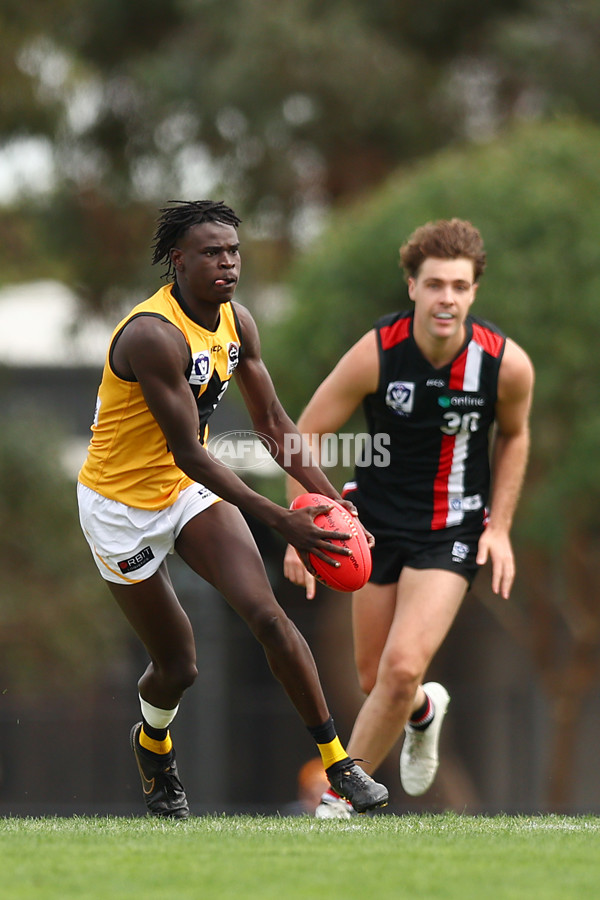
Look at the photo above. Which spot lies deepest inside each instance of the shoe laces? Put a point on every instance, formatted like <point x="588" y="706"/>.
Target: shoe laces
<point x="357" y="774"/>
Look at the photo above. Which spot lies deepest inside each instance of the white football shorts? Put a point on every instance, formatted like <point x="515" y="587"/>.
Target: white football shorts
<point x="129" y="544"/>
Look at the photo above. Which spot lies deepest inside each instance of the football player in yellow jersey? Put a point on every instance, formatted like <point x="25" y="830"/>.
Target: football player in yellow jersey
<point x="149" y="487"/>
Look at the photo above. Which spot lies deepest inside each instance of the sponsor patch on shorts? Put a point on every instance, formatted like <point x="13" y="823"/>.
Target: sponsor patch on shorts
<point x="136" y="562"/>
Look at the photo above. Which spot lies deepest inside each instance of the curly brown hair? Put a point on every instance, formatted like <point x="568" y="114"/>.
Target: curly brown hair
<point x="444" y="239"/>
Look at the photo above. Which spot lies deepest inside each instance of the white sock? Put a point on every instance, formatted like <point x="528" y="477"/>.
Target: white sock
<point x="155" y="717"/>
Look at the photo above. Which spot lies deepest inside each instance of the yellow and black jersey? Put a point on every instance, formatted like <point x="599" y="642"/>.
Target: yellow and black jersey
<point x="128" y="457"/>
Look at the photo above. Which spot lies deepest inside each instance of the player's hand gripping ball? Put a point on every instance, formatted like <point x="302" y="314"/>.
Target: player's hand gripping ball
<point x="354" y="570"/>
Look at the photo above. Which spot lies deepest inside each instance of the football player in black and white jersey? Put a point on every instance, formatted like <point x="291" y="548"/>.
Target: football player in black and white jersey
<point x="448" y="392"/>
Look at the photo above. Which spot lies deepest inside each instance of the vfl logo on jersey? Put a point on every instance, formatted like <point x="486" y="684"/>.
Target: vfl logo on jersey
<point x="400" y="397"/>
<point x="200" y="373"/>
<point x="468" y="504"/>
<point x="233" y="356"/>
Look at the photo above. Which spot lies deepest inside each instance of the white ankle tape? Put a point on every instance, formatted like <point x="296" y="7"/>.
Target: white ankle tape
<point x="157" y="718"/>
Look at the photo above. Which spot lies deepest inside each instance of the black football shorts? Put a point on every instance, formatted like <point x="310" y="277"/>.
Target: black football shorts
<point x="453" y="549"/>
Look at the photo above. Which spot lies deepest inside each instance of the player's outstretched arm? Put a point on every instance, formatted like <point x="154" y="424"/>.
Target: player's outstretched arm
<point x="331" y="406"/>
<point x="269" y="417"/>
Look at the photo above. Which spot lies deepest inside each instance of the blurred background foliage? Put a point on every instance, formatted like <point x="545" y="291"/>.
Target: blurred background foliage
<point x="57" y="630"/>
<point x="333" y="129"/>
<point x="283" y="108"/>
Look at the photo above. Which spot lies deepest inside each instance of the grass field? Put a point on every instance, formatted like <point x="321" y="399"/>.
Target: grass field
<point x="386" y="856"/>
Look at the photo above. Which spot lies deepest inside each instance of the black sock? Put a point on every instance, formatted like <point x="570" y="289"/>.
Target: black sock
<point x="339" y="766"/>
<point x="325" y="733"/>
<point x="423" y="716"/>
<point x="157" y="734"/>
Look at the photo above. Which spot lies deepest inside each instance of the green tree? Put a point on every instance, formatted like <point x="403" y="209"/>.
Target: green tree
<point x="284" y="109"/>
<point x="535" y="195"/>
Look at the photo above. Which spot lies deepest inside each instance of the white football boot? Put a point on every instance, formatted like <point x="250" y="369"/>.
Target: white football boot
<point x="332" y="807"/>
<point x="419" y="759"/>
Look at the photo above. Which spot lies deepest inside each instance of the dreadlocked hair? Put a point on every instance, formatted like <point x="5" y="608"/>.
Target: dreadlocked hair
<point x="174" y="221"/>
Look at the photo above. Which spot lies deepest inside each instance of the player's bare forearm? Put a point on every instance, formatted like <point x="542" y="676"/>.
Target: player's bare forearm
<point x="297" y="527"/>
<point x="511" y="440"/>
<point x="200" y="466"/>
<point x="294" y="487"/>
<point x="291" y="452"/>
<point x="509" y="463"/>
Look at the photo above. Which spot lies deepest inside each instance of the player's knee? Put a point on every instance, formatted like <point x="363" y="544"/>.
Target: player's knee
<point x="188" y="676"/>
<point x="271" y="629"/>
<point x="367" y="675"/>
<point x="180" y="675"/>
<point x="399" y="677"/>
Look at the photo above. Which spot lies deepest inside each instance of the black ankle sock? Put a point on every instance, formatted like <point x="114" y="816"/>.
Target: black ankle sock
<point x="325" y="733"/>
<point x="423" y="716"/>
<point x="339" y="766"/>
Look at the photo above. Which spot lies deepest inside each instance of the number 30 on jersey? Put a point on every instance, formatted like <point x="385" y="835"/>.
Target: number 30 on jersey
<point x="455" y="422"/>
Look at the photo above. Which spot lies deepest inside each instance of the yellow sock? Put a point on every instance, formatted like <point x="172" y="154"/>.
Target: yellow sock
<point x="149" y="743"/>
<point x="332" y="752"/>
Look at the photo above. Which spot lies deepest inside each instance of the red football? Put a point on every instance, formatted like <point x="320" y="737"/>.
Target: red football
<point x="354" y="570"/>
